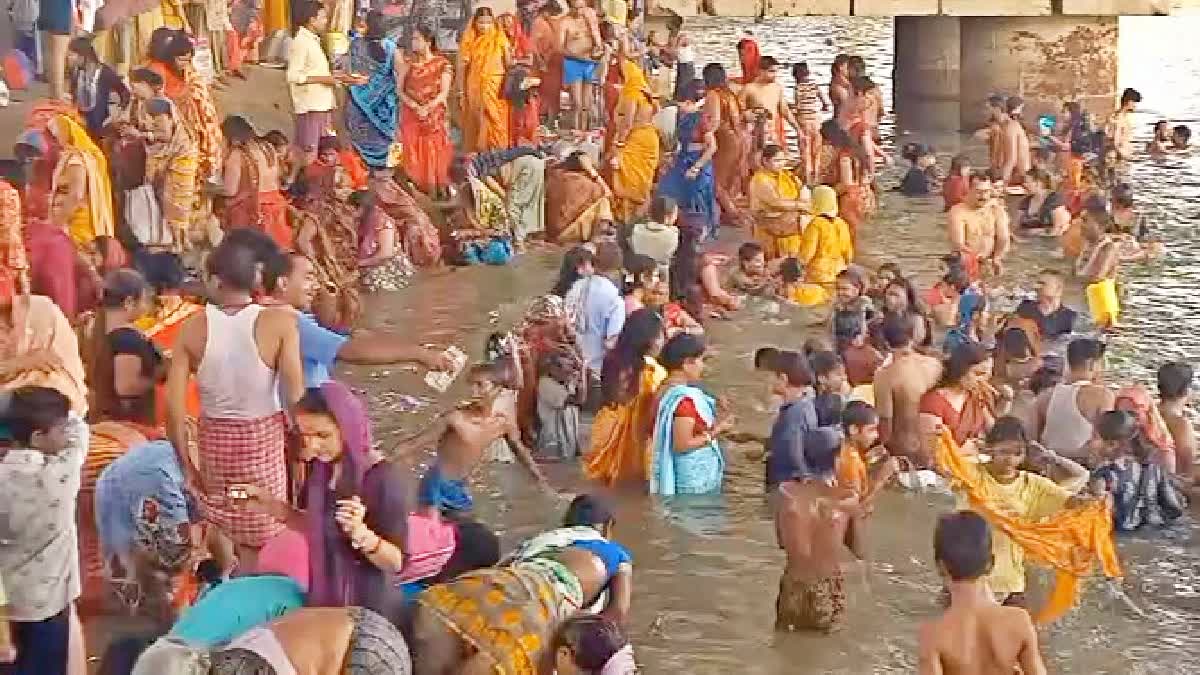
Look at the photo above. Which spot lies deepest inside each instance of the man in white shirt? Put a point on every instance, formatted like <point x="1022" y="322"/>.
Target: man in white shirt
<point x="311" y="83"/>
<point x="39" y="555"/>
<point x="658" y="238"/>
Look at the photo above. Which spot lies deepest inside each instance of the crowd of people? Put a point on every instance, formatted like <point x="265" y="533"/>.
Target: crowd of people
<point x="156" y="253"/>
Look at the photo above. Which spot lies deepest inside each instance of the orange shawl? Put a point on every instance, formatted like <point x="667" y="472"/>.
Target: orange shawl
<point x="1072" y="541"/>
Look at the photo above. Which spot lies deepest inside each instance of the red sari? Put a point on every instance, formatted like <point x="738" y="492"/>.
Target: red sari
<point x="264" y="210"/>
<point x="523" y="121"/>
<point x="544" y="36"/>
<point x="427" y="148"/>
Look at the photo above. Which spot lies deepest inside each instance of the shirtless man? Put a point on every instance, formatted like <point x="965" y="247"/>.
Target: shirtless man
<point x="976" y="635"/>
<point x="461" y="441"/>
<point x="1174" y="395"/>
<point x="1067" y="413"/>
<point x="1016" y="160"/>
<point x="899" y="386"/>
<point x="814" y="522"/>
<point x="766" y="94"/>
<point x="238" y="352"/>
<point x="993" y="131"/>
<point x="582" y="49"/>
<point x="976" y="231"/>
<point x="839" y="83"/>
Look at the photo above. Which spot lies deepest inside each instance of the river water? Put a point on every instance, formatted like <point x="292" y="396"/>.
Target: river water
<point x="706" y="570"/>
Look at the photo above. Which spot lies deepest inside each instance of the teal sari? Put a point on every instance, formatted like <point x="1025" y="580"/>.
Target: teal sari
<point x="694" y="472"/>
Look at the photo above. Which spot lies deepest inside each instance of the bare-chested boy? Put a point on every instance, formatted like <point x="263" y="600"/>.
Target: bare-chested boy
<point x="976" y="231"/>
<point x="1174" y="394"/>
<point x="899" y="386"/>
<point x="461" y="442"/>
<point x="582" y="49"/>
<point x="815" y="521"/>
<point x="766" y="94"/>
<point x="976" y="635"/>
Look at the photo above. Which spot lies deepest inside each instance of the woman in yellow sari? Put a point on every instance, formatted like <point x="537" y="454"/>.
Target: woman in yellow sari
<point x="171" y="168"/>
<point x="826" y="246"/>
<point x="82" y="193"/>
<point x="629" y="381"/>
<point x="483" y="57"/>
<point x="635" y="149"/>
<point x="778" y="201"/>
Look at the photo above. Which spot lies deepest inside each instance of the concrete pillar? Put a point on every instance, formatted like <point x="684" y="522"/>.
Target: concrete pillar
<point x="1046" y="60"/>
<point x="926" y="76"/>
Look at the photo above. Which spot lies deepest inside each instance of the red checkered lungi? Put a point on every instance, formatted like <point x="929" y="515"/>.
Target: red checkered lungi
<point x="249" y="451"/>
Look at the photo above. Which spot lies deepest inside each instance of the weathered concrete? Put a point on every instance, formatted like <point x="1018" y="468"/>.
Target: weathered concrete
<point x="1116" y="7"/>
<point x="1044" y="60"/>
<point x="927" y="72"/>
<point x="996" y="8"/>
<point x="896" y="8"/>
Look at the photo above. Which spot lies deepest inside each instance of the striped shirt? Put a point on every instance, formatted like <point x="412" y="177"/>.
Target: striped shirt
<point x="808" y="99"/>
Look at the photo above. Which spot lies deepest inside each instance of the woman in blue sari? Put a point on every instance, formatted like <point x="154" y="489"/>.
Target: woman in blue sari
<point x="690" y="180"/>
<point x="372" y="115"/>
<point x="685" y="455"/>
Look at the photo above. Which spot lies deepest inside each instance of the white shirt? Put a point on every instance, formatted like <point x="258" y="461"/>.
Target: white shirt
<point x="307" y="59"/>
<point x="39" y="550"/>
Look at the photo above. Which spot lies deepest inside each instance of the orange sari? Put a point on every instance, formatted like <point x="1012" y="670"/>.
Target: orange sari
<point x="621" y="433"/>
<point x="485" y="113"/>
<point x="730" y="165"/>
<point x="427" y="147"/>
<point x="162" y="328"/>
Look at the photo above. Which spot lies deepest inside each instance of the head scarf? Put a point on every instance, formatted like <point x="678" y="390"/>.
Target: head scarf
<point x="336" y="577"/>
<point x="1153" y="428"/>
<point x="824" y="201"/>
<point x="749" y="57"/>
<point x="960" y="334"/>
<point x="76" y="143"/>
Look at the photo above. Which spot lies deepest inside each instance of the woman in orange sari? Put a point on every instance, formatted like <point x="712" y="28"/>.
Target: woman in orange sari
<point x="842" y="166"/>
<point x="165" y="274"/>
<point x="730" y="165"/>
<point x="635" y="152"/>
<point x="423" y="128"/>
<point x="629" y="381"/>
<point x="484" y="54"/>
<point x="252" y="175"/>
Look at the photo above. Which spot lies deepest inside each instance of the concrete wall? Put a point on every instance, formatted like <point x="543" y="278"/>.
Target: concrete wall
<point x="1044" y="60"/>
<point x="927" y="71"/>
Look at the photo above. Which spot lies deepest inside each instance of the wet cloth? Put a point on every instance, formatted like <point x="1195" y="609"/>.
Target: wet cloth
<point x="232" y="607"/>
<point x="621" y="432"/>
<point x="810" y="605"/>
<point x="697" y="471"/>
<point x="1075" y="542"/>
<point x="445" y="494"/>
<point x="374" y="110"/>
<point x="508" y="614"/>
<point x="1142" y="494"/>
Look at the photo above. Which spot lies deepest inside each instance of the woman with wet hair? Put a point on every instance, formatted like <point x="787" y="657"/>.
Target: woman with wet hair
<point x="592" y="645"/>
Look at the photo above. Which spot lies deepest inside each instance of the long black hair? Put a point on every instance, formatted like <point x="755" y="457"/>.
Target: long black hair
<point x="568" y="274"/>
<point x="619" y="376"/>
<point x="375" y="34"/>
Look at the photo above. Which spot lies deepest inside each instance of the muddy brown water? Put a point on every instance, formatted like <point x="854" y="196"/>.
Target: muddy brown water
<point x="707" y="568"/>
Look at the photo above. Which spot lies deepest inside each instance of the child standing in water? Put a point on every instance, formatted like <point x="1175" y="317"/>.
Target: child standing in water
<point x="559" y="395"/>
<point x="976" y="634"/>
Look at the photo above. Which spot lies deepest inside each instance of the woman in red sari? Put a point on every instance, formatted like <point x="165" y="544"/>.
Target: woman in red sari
<point x="423" y="130"/>
<point x="730" y="163"/>
<point x="965" y="402"/>
<point x="251" y="184"/>
<point x="749" y="57"/>
<point x="842" y="167"/>
<point x="548" y="58"/>
<point x="521" y="84"/>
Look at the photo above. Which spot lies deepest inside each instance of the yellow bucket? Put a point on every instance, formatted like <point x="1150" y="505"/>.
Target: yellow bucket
<point x="1103" y="302"/>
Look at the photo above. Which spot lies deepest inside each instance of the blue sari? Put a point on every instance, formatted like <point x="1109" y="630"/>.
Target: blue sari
<point x="694" y="195"/>
<point x="694" y="472"/>
<point x="374" y="111"/>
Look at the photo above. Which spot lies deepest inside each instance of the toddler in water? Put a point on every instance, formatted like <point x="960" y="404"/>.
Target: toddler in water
<point x="850" y="295"/>
<point x="751" y="276"/>
<point x="922" y="176"/>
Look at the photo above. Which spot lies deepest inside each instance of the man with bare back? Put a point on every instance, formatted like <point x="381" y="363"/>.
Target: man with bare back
<point x="1017" y="160"/>
<point x="993" y="131"/>
<point x="976" y="635"/>
<point x="815" y="521"/>
<point x="839" y="83"/>
<point x="765" y="95"/>
<point x="238" y="351"/>
<point x="976" y="230"/>
<point x="899" y="386"/>
<point x="582" y="48"/>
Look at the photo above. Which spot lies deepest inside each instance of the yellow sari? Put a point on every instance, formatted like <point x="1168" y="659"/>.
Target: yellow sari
<point x="776" y="230"/>
<point x="826" y="247"/>
<point x="1072" y="541"/>
<point x="93" y="218"/>
<point x="485" y="113"/>
<point x="637" y="160"/>
<point x="621" y="433"/>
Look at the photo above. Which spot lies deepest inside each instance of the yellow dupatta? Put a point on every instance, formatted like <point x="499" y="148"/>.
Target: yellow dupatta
<point x="78" y="145"/>
<point x="1072" y="541"/>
